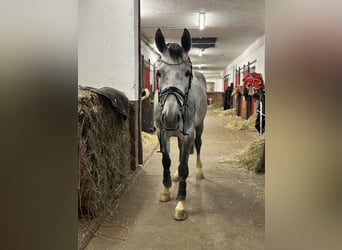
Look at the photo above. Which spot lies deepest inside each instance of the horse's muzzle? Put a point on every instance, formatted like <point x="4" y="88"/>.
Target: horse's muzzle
<point x="171" y="120"/>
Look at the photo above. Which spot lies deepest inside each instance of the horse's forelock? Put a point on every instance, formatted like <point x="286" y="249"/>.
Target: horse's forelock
<point x="175" y="51"/>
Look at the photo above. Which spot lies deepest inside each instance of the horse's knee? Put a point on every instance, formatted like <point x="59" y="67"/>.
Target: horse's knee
<point x="192" y="149"/>
<point x="166" y="173"/>
<point x="198" y="142"/>
<point x="183" y="172"/>
<point x="167" y="178"/>
<point x="166" y="161"/>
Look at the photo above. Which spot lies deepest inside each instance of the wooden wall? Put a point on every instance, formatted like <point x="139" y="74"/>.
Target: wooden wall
<point x="216" y="96"/>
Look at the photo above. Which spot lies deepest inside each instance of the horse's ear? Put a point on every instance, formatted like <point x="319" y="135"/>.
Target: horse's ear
<point x="186" y="40"/>
<point x="160" y="41"/>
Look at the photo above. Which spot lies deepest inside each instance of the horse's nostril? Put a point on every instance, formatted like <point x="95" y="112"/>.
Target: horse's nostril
<point x="178" y="118"/>
<point x="163" y="117"/>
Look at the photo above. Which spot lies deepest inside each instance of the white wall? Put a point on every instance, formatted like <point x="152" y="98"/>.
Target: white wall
<point x="256" y="51"/>
<point x="148" y="53"/>
<point x="108" y="45"/>
<point x="218" y="83"/>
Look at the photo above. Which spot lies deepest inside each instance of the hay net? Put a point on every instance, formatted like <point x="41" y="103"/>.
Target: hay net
<point x="104" y="153"/>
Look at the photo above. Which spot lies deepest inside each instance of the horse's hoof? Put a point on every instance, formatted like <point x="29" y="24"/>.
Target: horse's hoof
<point x="180" y="215"/>
<point x="199" y="176"/>
<point x="175" y="178"/>
<point x="164" y="197"/>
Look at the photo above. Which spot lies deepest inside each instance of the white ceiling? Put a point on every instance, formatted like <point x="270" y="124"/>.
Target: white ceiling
<point x="235" y="23"/>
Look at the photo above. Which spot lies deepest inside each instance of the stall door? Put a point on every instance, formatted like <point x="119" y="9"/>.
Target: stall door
<point x="225" y="84"/>
<point x="147" y="77"/>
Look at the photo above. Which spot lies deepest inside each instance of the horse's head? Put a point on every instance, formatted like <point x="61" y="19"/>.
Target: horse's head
<point x="174" y="72"/>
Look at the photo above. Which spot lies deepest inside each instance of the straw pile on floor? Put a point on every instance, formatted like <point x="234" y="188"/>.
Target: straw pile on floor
<point x="227" y="112"/>
<point x="104" y="153"/>
<point x="216" y="105"/>
<point x="218" y="109"/>
<point x="148" y="139"/>
<point x="251" y="158"/>
<point x="242" y="124"/>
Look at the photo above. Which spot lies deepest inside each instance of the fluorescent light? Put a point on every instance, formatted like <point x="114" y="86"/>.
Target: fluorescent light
<point x="201" y="20"/>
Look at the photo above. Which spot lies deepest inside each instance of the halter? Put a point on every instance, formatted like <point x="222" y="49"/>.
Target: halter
<point x="182" y="98"/>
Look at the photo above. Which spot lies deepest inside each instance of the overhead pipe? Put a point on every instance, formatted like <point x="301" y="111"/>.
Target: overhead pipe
<point x="225" y="76"/>
<point x="248" y="64"/>
<point x="145" y="41"/>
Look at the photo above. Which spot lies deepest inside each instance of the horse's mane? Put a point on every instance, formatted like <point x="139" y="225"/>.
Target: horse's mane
<point x="175" y="50"/>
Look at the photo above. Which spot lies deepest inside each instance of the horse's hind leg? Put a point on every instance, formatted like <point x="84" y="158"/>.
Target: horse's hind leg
<point x="165" y="193"/>
<point x="198" y="144"/>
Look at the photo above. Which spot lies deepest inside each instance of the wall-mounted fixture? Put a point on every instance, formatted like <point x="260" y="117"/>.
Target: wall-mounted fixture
<point x="203" y="42"/>
<point x="201" y="20"/>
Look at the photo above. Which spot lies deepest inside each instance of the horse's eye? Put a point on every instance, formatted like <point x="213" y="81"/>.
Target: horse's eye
<point x="158" y="73"/>
<point x="187" y="73"/>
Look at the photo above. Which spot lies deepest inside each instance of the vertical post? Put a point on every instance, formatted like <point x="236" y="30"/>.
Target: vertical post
<point x="261" y="114"/>
<point x="150" y="79"/>
<point x="248" y="98"/>
<point x="101" y="60"/>
<point x="141" y="85"/>
<point x="234" y="75"/>
<point x="252" y="99"/>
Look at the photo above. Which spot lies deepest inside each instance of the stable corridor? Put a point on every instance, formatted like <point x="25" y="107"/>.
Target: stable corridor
<point x="225" y="210"/>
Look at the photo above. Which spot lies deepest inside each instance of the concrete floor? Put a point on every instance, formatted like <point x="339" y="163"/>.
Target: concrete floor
<point x="226" y="210"/>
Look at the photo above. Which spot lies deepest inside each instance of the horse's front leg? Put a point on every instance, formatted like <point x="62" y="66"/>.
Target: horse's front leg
<point x="198" y="143"/>
<point x="183" y="172"/>
<point x="165" y="145"/>
<point x="175" y="176"/>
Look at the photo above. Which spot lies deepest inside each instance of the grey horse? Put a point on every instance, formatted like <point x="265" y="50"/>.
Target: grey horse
<point x="180" y="106"/>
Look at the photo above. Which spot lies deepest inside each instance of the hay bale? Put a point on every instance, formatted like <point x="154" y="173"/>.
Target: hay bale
<point x="148" y="139"/>
<point x="242" y="124"/>
<point x="104" y="153"/>
<point x="251" y="158"/>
